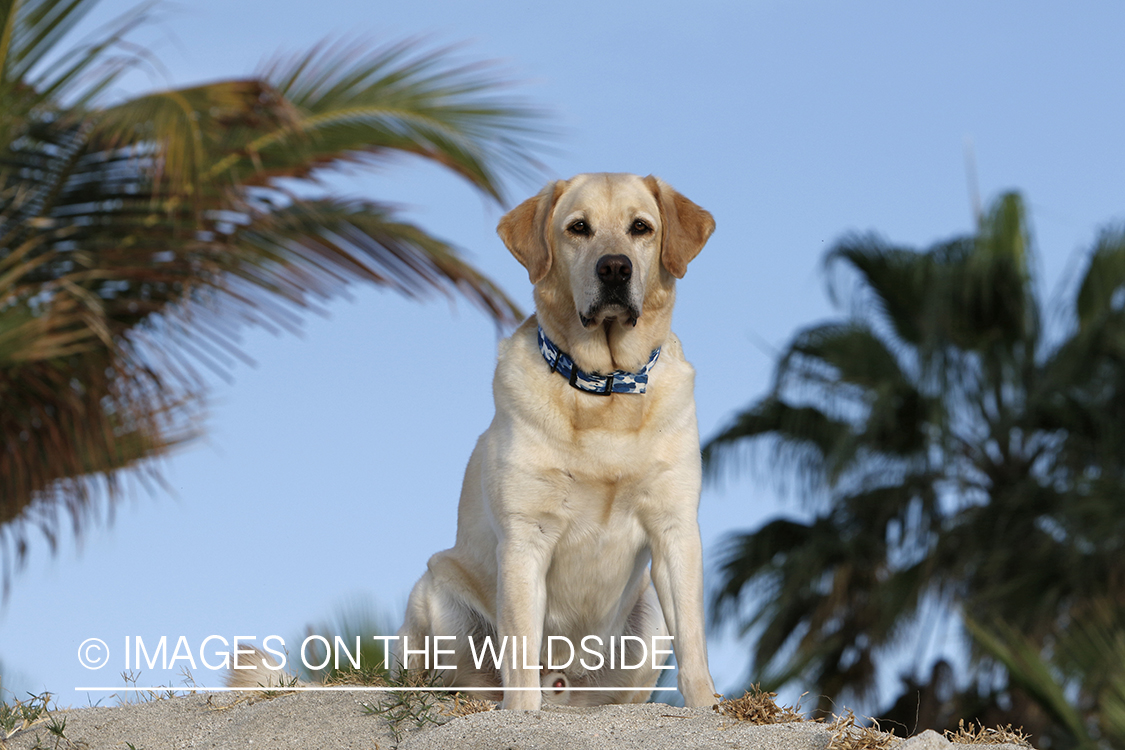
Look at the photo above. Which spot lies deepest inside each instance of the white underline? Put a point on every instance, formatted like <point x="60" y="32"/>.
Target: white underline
<point x="339" y="688"/>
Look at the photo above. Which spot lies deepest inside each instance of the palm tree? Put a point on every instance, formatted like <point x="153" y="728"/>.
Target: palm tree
<point x="1088" y="659"/>
<point x="136" y="236"/>
<point x="952" y="454"/>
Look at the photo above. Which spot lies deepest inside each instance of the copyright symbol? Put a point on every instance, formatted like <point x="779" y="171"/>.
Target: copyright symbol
<point x="93" y="653"/>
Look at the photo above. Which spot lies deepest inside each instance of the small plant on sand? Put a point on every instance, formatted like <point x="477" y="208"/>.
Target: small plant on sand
<point x="283" y="681"/>
<point x="17" y="715"/>
<point x="55" y="727"/>
<point x="163" y="692"/>
<point x="131" y="678"/>
<point x="847" y="736"/>
<point x="412" y="707"/>
<point x="758" y="706"/>
<point x="981" y="735"/>
<point x="407" y="707"/>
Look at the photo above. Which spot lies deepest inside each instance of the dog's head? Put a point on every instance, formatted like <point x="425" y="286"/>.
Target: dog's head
<point x="609" y="244"/>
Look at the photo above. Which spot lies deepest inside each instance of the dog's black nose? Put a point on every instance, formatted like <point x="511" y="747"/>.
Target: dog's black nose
<point x="614" y="269"/>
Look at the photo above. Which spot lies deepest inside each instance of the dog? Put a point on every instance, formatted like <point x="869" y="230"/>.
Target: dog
<point x="578" y="512"/>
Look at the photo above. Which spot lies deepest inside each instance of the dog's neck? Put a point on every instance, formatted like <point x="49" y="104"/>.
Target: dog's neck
<point x="611" y="345"/>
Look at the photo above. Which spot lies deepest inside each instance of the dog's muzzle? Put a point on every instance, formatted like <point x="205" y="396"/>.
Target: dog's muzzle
<point x="615" y="272"/>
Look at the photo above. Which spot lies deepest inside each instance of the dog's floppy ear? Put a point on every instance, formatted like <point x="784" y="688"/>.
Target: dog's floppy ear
<point x="686" y="227"/>
<point x="525" y="231"/>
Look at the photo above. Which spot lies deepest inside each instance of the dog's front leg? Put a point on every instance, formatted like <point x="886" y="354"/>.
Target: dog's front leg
<point x="677" y="574"/>
<point x="523" y="558"/>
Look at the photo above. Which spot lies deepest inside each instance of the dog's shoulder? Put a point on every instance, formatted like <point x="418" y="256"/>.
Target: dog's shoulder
<point x="519" y="359"/>
<point x="673" y="348"/>
<point x="679" y="375"/>
<point x="523" y="382"/>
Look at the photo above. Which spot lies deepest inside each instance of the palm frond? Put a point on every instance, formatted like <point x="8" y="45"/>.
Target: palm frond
<point x="853" y="351"/>
<point x="807" y="439"/>
<point x="33" y="74"/>
<point x="1101" y="295"/>
<point x="321" y="243"/>
<point x="1020" y="655"/>
<point x="827" y="594"/>
<point x="182" y="133"/>
<point x="992" y="288"/>
<point x="31" y="29"/>
<point x="744" y="557"/>
<point x="897" y="279"/>
<point x="356" y="105"/>
<point x="135" y="238"/>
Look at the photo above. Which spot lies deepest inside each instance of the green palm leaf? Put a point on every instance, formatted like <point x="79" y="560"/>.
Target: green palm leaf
<point x="135" y="237"/>
<point x="1101" y="295"/>
<point x="955" y="457"/>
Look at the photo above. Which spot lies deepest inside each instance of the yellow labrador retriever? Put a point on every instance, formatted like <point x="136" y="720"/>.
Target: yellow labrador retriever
<point x="577" y="530"/>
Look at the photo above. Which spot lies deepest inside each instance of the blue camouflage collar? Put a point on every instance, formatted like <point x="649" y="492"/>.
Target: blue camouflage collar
<point x="603" y="385"/>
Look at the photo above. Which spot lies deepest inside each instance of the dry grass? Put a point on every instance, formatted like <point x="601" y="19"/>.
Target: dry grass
<point x="758" y="707"/>
<point x="369" y="677"/>
<point x="847" y="736"/>
<point x="981" y="735"/>
<point x="465" y="706"/>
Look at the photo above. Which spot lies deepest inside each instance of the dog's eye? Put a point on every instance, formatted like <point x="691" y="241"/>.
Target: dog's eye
<point x="580" y="228"/>
<point x="639" y="227"/>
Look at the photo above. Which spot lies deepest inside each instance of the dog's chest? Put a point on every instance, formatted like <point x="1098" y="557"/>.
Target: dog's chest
<point x="614" y="456"/>
<point x="602" y="544"/>
<point x="593" y="506"/>
<point x="620" y="414"/>
<point x="609" y="486"/>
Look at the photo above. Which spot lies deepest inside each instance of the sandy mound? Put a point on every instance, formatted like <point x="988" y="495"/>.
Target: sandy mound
<point x="305" y="720"/>
<point x="650" y="726"/>
<point x="338" y="720"/>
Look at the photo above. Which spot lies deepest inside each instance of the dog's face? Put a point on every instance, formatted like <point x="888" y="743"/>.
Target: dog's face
<point x="606" y="241"/>
<point x="605" y="232"/>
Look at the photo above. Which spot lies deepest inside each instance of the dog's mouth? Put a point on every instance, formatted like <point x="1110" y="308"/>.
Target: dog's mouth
<point x="607" y="312"/>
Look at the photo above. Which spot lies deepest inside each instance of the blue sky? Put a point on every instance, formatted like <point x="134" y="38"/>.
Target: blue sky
<point x="331" y="469"/>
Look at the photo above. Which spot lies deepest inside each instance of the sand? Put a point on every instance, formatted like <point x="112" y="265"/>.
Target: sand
<point x="338" y="720"/>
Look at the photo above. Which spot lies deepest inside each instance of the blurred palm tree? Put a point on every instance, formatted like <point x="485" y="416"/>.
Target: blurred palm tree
<point x="1079" y="682"/>
<point x="137" y="236"/>
<point x="952" y="454"/>
<point x="359" y="624"/>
